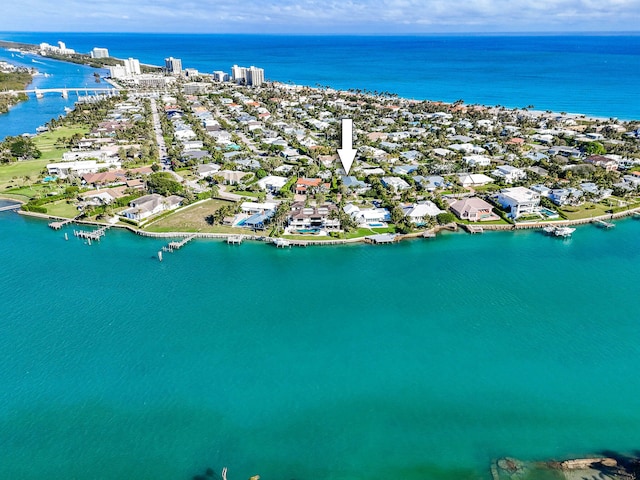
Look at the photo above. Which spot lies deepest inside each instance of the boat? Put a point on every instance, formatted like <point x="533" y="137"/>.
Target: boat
<point x="563" y="232"/>
<point x="68" y="109"/>
<point x="41" y="129"/>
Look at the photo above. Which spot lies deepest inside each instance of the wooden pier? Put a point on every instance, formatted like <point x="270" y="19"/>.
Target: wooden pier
<point x="58" y="225"/>
<point x="94" y="235"/>
<point x="172" y="246"/>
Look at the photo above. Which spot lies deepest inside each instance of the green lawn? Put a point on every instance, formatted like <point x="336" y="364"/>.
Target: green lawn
<point x="30" y="191"/>
<point x="46" y="141"/>
<point x="61" y="209"/>
<point x="12" y="174"/>
<point x="586" y="210"/>
<point x="193" y="219"/>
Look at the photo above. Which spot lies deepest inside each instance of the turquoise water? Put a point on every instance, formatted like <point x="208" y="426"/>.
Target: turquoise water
<point x="419" y="360"/>
<point x="590" y="74"/>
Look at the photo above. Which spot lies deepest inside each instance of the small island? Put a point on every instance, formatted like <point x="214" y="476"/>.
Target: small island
<point x="13" y="78"/>
<point x="179" y="152"/>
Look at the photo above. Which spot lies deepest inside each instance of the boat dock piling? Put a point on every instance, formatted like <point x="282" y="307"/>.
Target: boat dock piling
<point x="475" y="229"/>
<point x="234" y="240"/>
<point x="178" y="245"/>
<point x="603" y="224"/>
<point x="59" y="225"/>
<point x="91" y="234"/>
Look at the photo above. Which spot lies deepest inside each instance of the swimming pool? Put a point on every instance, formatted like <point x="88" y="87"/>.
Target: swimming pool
<point x="50" y="178"/>
<point x="376" y="224"/>
<point x="549" y="213"/>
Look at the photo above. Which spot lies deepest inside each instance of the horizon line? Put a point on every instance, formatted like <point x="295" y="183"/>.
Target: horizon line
<point x="563" y="33"/>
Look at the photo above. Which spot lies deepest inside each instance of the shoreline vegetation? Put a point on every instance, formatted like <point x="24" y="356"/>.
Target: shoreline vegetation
<point x="221" y="159"/>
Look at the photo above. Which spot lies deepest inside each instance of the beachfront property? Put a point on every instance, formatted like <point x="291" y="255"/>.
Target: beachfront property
<point x="307" y="219"/>
<point x="148" y="205"/>
<point x="519" y="201"/>
<point x="419" y="213"/>
<point x="473" y="209"/>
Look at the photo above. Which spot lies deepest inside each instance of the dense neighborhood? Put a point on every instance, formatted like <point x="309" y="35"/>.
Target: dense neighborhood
<point x="222" y="154"/>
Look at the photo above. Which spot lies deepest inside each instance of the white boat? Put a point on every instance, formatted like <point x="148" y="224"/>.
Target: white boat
<point x="559" y="231"/>
<point x="68" y="109"/>
<point x="41" y="129"/>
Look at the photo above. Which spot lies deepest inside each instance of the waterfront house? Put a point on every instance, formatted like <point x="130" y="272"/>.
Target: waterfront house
<point x="419" y="212"/>
<point x="148" y="205"/>
<point x="519" y="200"/>
<point x="253" y="208"/>
<point x="320" y="217"/>
<point x="566" y="196"/>
<point x="473" y="209"/>
<point x="367" y="215"/>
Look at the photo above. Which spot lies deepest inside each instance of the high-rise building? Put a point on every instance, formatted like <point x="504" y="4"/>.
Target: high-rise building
<point x="173" y="65"/>
<point x="220" y="76"/>
<point x="255" y="76"/>
<point x="99" y="53"/>
<point x="239" y="74"/>
<point x="132" y="66"/>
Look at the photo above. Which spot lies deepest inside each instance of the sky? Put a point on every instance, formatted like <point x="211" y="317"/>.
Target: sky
<point x="322" y="16"/>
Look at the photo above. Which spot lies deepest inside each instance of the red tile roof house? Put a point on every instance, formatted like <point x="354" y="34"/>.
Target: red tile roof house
<point x="603" y="162"/>
<point x="310" y="185"/>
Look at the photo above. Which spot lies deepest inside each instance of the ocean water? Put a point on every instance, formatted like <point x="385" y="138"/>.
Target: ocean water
<point x="590" y="74"/>
<point x="423" y="360"/>
<point x="25" y="117"/>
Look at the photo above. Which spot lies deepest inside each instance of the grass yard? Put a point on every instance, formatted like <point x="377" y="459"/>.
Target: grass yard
<point x="61" y="209"/>
<point x="12" y="174"/>
<point x="193" y="219"/>
<point x="586" y="210"/>
<point x="46" y="141"/>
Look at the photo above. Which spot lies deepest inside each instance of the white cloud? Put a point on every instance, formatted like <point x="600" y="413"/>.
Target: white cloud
<point x="299" y="16"/>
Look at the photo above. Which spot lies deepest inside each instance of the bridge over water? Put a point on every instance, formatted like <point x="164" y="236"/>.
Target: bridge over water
<point x="64" y="91"/>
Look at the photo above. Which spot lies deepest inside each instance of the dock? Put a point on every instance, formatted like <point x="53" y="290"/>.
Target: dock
<point x="475" y="229"/>
<point x="281" y="243"/>
<point x="172" y="246"/>
<point x="94" y="235"/>
<point x="234" y="240"/>
<point x="429" y="235"/>
<point x="603" y="224"/>
<point x="58" y="225"/>
<point x="382" y="238"/>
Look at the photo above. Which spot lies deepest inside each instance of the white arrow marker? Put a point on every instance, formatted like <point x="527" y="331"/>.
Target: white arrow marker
<point x="347" y="153"/>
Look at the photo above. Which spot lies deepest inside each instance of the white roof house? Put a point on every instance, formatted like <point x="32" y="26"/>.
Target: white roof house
<point x="272" y="182"/>
<point x="258" y="207"/>
<point x="520" y="200"/>
<point x="477" y="160"/>
<point x="395" y="183"/>
<point x="474" y="179"/>
<point x="79" y="167"/>
<point x="417" y="212"/>
<point x="509" y="173"/>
